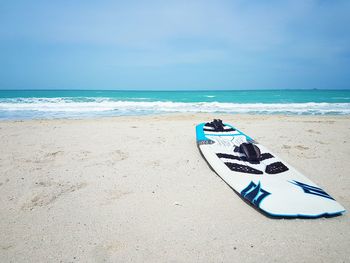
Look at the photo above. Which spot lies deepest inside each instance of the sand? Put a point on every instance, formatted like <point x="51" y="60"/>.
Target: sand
<point x="136" y="189"/>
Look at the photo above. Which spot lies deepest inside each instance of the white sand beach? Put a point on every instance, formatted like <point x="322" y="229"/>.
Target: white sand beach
<point x="136" y="189"/>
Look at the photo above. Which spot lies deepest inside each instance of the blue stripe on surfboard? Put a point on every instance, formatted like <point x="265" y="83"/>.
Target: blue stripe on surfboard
<point x="303" y="215"/>
<point x="200" y="133"/>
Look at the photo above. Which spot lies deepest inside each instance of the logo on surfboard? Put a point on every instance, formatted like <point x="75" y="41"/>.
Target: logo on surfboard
<point x="313" y="190"/>
<point x="254" y="193"/>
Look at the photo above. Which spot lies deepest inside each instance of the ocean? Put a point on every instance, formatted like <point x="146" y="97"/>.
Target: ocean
<point x="44" y="104"/>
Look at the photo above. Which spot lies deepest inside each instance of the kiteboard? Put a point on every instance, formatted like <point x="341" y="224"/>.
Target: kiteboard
<point x="260" y="177"/>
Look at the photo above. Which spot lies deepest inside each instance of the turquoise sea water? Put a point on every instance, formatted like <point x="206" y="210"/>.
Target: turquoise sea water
<point x="24" y="104"/>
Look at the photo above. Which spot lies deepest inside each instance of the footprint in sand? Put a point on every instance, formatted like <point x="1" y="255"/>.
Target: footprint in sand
<point x="115" y="156"/>
<point x="160" y="140"/>
<point x="312" y="131"/>
<point x="54" y="154"/>
<point x="82" y="155"/>
<point x="301" y="148"/>
<point x="6" y="247"/>
<point x="42" y="157"/>
<point x="119" y="155"/>
<point x="47" y="192"/>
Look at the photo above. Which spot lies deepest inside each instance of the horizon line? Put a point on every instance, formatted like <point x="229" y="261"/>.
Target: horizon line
<point x="178" y="90"/>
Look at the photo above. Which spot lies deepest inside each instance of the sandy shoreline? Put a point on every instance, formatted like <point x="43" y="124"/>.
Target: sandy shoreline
<point x="136" y="189"/>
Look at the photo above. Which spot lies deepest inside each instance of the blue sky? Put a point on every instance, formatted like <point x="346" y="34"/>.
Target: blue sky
<point x="174" y="44"/>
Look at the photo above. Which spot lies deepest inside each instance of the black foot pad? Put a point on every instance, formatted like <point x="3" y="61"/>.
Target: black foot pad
<point x="276" y="168"/>
<point x="243" y="168"/>
<point x="263" y="156"/>
<point x="217" y="126"/>
<point x="225" y="130"/>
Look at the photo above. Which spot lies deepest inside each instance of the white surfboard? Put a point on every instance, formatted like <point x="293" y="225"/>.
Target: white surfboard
<point x="260" y="177"/>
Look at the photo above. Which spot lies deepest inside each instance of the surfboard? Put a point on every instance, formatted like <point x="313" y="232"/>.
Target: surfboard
<point x="260" y="177"/>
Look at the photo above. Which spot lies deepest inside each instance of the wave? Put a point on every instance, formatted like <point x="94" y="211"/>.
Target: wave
<point x="69" y="107"/>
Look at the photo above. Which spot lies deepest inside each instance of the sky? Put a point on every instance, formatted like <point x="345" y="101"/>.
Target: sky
<point x="163" y="45"/>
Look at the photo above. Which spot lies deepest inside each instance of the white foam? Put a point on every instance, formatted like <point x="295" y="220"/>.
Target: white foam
<point x="100" y="105"/>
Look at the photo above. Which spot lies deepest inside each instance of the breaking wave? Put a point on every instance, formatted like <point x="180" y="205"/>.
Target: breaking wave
<point x="22" y="108"/>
